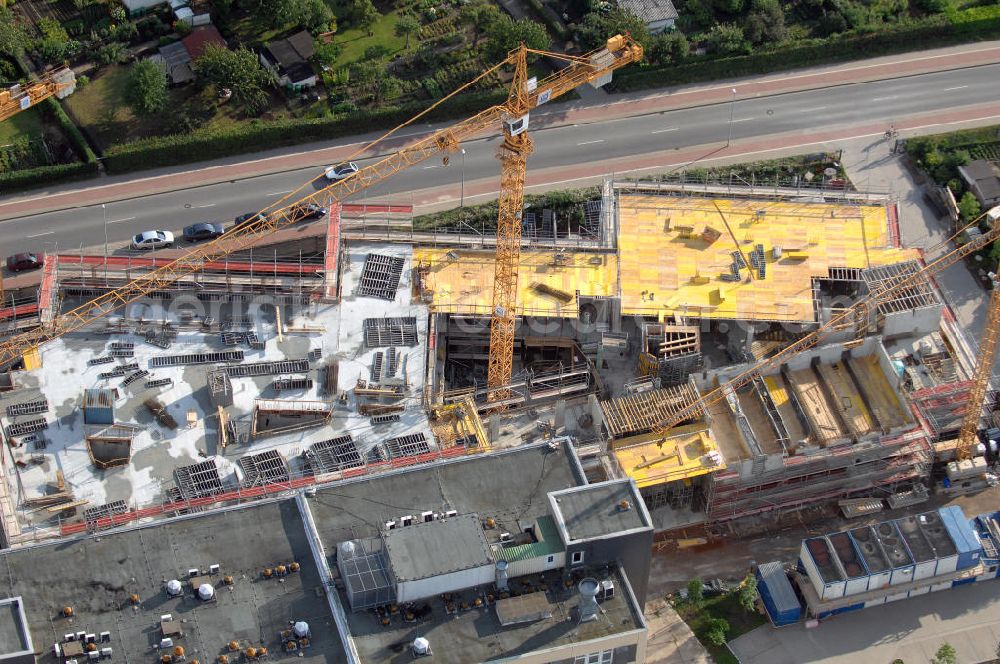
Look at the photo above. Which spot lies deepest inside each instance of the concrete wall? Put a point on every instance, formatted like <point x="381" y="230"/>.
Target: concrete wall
<point x="915" y="323"/>
<point x="409" y="591"/>
<point x="632" y="551"/>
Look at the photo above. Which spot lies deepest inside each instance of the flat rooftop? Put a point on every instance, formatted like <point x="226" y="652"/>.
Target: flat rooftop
<point x="314" y="335"/>
<point x="425" y="550"/>
<point x="592" y="511"/>
<point x="96" y="576"/>
<point x="14" y="637"/>
<point x="461" y="281"/>
<point x="671" y="270"/>
<point x="474" y="634"/>
<point x="653" y="459"/>
<point x="509" y="486"/>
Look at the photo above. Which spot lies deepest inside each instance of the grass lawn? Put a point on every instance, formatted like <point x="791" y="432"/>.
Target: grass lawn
<point x="354" y="41"/>
<point x="726" y="607"/>
<point x="26" y="124"/>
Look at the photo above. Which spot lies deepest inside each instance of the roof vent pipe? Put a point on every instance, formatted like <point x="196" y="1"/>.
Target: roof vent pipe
<point x="588" y="599"/>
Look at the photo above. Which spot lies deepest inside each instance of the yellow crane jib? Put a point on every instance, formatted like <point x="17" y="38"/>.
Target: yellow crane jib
<point x="594" y="68"/>
<point x="59" y="82"/>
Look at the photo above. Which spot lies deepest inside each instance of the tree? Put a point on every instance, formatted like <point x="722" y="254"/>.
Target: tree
<point x="371" y="78"/>
<point x="715" y="631"/>
<point x="147" y="88"/>
<point x="478" y="17"/>
<point x="669" y="48"/>
<point x="406" y="26"/>
<point x="945" y="655"/>
<point x="969" y="208"/>
<point x="727" y="39"/>
<point x="327" y="54"/>
<point x="366" y="15"/>
<point x="696" y="592"/>
<point x="239" y="71"/>
<point x="766" y="22"/>
<point x="13" y="38"/>
<point x="315" y="15"/>
<point x="596" y="27"/>
<point x="504" y="35"/>
<point x="748" y="593"/>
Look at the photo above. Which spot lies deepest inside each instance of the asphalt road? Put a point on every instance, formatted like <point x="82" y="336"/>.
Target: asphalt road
<point x="885" y="100"/>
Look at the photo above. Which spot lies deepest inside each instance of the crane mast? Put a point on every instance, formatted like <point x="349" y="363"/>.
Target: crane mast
<point x="968" y="435"/>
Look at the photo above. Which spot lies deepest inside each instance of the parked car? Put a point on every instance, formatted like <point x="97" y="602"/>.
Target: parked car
<point x="310" y="211"/>
<point x="153" y="240"/>
<point x="246" y="218"/>
<point x="342" y="171"/>
<point x="22" y="262"/>
<point x="199" y="232"/>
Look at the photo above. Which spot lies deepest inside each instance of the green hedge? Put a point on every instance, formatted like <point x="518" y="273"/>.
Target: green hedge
<point x="256" y="135"/>
<point x="551" y="19"/>
<point x="55" y="111"/>
<point x="937" y="30"/>
<point x="33" y="177"/>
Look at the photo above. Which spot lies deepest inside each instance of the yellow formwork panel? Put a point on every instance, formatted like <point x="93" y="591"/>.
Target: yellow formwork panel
<point x="462" y="281"/>
<point x="684" y="453"/>
<point x="667" y="268"/>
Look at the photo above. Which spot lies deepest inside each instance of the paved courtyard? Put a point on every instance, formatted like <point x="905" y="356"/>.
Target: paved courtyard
<point x="911" y="630"/>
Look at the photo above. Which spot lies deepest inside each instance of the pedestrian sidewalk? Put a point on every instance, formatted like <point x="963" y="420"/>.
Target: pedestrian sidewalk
<point x="670" y="639"/>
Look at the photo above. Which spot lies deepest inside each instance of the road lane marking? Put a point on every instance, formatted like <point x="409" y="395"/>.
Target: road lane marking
<point x="885" y="98"/>
<point x="427" y="168"/>
<point x="742" y="120"/>
<point x="600" y="140"/>
<point x="206" y="205"/>
<point x="957" y="87"/>
<point x="814" y="109"/>
<point x="278" y="193"/>
<point x="663" y="131"/>
<point x="39" y="234"/>
<point x="118" y="221"/>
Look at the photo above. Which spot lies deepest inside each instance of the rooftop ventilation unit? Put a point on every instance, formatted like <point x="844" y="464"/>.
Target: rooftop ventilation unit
<point x="506" y="537"/>
<point x="501" y="575"/>
<point x="451" y="513"/>
<point x="301" y="629"/>
<point x="427" y="516"/>
<point x="390" y="525"/>
<point x="406" y="520"/>
<point x="421" y="647"/>
<point x="174" y="588"/>
<point x="206" y="592"/>
<point x="588" y="599"/>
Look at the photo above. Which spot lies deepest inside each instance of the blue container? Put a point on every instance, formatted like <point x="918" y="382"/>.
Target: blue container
<point x="960" y="530"/>
<point x="98" y="406"/>
<point x="963" y="582"/>
<point x="848" y="609"/>
<point x="776" y="592"/>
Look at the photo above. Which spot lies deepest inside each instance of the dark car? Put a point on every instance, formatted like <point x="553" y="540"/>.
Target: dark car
<point x="22" y="262"/>
<point x="199" y="232"/>
<point x="246" y="218"/>
<point x="310" y="211"/>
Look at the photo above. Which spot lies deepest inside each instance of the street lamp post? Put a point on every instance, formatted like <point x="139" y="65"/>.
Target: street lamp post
<point x="463" y="179"/>
<point x="732" y="108"/>
<point x="104" y="209"/>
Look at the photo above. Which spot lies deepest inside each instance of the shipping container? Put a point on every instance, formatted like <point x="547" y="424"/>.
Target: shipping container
<point x="964" y="537"/>
<point x="777" y="594"/>
<point x="850" y="562"/>
<point x="874" y="558"/>
<point x="922" y="590"/>
<point x="921" y="551"/>
<point x="900" y="562"/>
<point x="98" y="406"/>
<point x="944" y="585"/>
<point x="931" y="526"/>
<point x="875" y="602"/>
<point x="896" y="597"/>
<point x="820" y="564"/>
<point x="963" y="582"/>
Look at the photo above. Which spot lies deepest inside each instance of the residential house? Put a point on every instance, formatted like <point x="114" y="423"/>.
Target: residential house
<point x="658" y="15"/>
<point x="177" y="57"/>
<point x="201" y="37"/>
<point x="983" y="180"/>
<point x="288" y="60"/>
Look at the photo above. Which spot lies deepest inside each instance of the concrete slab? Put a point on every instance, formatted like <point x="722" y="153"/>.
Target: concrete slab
<point x="670" y="638"/>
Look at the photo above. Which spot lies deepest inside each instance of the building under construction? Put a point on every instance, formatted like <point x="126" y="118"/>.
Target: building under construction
<point x="323" y="354"/>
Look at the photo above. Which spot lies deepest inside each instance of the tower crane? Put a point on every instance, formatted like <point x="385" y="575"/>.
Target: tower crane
<point x="59" y="82"/>
<point x="849" y="318"/>
<point x="512" y="116"/>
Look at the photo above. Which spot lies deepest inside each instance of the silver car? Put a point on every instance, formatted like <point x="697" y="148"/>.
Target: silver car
<point x="153" y="240"/>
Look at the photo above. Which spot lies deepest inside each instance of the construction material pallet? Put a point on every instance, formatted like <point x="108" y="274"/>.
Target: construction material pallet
<point x="122" y="353"/>
<point x="292" y="384"/>
<point x="384" y="419"/>
<point x="265" y="468"/>
<point x="106" y="359"/>
<point x="142" y="373"/>
<point x="160" y="382"/>
<point x="118" y="371"/>
<point x="28" y="408"/>
<point x="376" y="372"/>
<point x="27" y="426"/>
<point x="390" y="332"/>
<point x="409" y="445"/>
<point x="267" y="368"/>
<point x="122" y="345"/>
<point x="199" y="480"/>
<point x="196" y="358"/>
<point x="380" y="276"/>
<point x="335" y="454"/>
